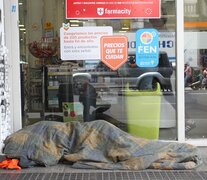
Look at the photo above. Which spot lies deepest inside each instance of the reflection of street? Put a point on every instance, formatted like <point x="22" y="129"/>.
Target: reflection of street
<point x="195" y="103"/>
<point x="196" y="109"/>
<point x="118" y="110"/>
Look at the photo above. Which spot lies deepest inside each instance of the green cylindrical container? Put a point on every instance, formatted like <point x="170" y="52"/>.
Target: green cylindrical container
<point x="143" y="112"/>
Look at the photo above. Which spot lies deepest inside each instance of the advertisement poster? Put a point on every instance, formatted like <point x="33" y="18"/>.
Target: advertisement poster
<point x="72" y="111"/>
<point x="166" y="43"/>
<point x="114" y="51"/>
<point x="82" y="43"/>
<point x="147" y="49"/>
<point x="103" y="9"/>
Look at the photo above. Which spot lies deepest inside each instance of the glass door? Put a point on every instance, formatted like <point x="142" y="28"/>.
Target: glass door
<point x="133" y="98"/>
<point x="195" y="57"/>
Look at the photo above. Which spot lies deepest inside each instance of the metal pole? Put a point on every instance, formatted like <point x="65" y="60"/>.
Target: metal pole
<point x="43" y="89"/>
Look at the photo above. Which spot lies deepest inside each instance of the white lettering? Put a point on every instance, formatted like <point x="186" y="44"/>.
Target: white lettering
<point x="113" y="45"/>
<point x="114" y="57"/>
<point x="147" y="49"/>
<point x="109" y="51"/>
<point x="140" y="49"/>
<point x="118" y="11"/>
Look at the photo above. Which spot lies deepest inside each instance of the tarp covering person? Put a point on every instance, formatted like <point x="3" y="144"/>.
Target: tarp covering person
<point x="96" y="144"/>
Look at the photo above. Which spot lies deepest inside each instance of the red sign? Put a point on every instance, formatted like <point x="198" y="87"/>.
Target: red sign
<point x="114" y="51"/>
<point x="102" y="9"/>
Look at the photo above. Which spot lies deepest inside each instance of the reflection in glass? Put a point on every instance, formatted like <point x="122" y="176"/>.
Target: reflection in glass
<point x="195" y="57"/>
<point x="85" y="90"/>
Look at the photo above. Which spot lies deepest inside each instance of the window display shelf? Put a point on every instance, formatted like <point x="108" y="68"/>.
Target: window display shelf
<point x="52" y="87"/>
<point x="34" y="89"/>
<point x="59" y="73"/>
<point x="53" y="102"/>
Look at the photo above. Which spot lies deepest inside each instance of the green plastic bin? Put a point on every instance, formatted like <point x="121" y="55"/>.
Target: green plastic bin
<point x="143" y="112"/>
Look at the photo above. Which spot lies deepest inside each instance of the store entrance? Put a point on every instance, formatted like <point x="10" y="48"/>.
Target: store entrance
<point x="63" y="80"/>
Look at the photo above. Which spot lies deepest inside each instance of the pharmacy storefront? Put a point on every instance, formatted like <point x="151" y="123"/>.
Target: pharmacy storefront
<point x="139" y="65"/>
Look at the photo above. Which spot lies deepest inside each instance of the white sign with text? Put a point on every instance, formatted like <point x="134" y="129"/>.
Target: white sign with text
<point x="82" y="43"/>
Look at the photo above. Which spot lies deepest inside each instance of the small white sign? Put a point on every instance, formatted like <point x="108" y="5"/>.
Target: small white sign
<point x="82" y="43"/>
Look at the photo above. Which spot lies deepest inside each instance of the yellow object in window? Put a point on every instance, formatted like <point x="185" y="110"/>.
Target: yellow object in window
<point x="48" y="25"/>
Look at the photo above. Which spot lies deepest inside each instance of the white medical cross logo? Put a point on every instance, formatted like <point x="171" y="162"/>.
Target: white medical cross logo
<point x="100" y="11"/>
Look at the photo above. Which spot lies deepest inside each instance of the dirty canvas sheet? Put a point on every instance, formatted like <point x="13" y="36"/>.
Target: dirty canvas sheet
<point x="96" y="144"/>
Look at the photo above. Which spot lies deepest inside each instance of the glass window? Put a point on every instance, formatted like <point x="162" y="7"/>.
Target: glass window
<point x="139" y="100"/>
<point x="195" y="68"/>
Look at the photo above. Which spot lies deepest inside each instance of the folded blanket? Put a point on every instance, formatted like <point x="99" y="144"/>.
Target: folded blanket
<point x="96" y="144"/>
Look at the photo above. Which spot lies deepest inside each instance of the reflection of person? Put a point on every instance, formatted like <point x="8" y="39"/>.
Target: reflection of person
<point x="88" y="99"/>
<point x="187" y="74"/>
<point x="204" y="81"/>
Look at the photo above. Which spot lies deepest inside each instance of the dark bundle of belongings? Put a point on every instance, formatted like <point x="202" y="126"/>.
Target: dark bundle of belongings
<point x="96" y="144"/>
